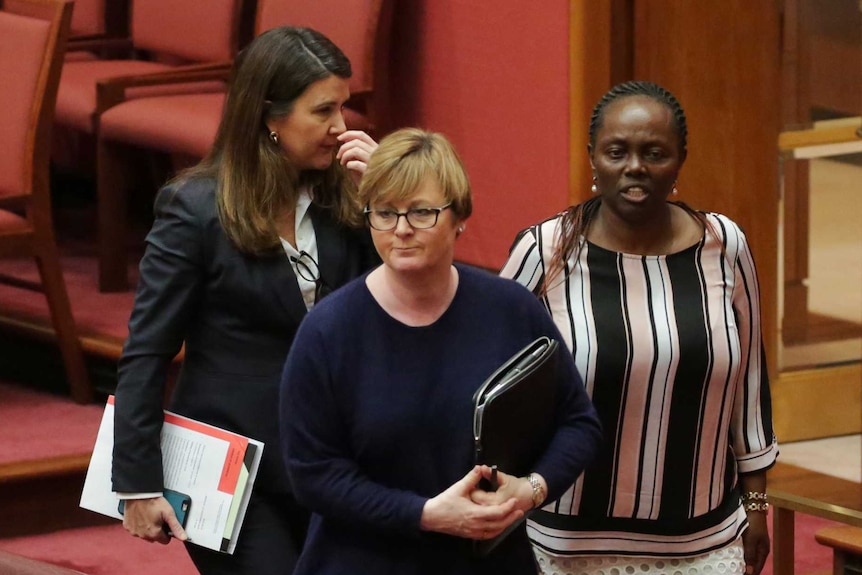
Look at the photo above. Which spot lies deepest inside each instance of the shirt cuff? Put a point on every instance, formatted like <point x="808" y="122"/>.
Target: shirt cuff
<point x="152" y="495"/>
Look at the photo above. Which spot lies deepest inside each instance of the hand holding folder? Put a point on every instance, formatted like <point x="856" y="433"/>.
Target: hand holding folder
<point x="514" y="416"/>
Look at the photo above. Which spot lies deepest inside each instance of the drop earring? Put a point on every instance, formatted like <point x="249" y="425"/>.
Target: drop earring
<point x="273" y="136"/>
<point x="674" y="191"/>
<point x="594" y="188"/>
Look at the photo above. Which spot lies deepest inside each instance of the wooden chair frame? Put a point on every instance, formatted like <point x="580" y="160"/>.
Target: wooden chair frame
<point x="36" y="239"/>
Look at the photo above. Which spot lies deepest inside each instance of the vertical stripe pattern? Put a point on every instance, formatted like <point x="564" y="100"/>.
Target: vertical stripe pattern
<point x="670" y="351"/>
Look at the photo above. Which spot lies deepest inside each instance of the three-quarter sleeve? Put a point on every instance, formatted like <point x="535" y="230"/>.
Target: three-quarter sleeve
<point x="752" y="434"/>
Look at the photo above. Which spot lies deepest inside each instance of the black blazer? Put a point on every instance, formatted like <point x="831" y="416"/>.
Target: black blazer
<point x="237" y="314"/>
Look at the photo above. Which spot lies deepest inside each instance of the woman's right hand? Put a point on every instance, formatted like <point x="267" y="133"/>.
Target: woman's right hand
<point x="355" y="150"/>
<point x="454" y="513"/>
<point x="145" y="518"/>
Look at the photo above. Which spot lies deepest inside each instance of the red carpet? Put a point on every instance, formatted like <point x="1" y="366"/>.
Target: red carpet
<point x="36" y="425"/>
<point x="104" y="314"/>
<point x="811" y="557"/>
<point x="107" y="550"/>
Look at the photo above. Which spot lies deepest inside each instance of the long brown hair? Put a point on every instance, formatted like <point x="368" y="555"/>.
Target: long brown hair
<point x="255" y="180"/>
<point x="576" y="220"/>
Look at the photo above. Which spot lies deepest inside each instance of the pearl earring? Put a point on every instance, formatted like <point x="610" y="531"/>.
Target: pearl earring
<point x="594" y="189"/>
<point x="674" y="191"/>
<point x="274" y="137"/>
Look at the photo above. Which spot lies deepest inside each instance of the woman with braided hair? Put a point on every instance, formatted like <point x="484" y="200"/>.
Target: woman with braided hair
<point x="659" y="305"/>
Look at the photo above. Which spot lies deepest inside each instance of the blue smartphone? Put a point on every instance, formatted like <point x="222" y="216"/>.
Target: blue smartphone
<point x="179" y="501"/>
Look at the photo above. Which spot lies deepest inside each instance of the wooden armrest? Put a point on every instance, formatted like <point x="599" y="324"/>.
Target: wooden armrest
<point x="844" y="538"/>
<point x="16" y="564"/>
<point x="112" y="91"/>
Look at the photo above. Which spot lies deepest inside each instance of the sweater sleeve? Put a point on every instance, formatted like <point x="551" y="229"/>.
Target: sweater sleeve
<point x="579" y="433"/>
<point x="316" y="449"/>
<point x="752" y="435"/>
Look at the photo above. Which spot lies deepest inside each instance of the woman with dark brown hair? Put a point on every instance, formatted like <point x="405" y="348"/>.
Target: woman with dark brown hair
<point x="659" y="305"/>
<point x="243" y="245"/>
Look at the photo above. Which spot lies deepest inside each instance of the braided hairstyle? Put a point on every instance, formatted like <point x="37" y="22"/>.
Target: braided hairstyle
<point x="576" y="220"/>
<point x="640" y="88"/>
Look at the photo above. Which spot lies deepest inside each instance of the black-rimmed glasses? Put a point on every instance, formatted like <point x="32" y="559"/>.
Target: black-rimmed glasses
<point x="418" y="218"/>
<point x="307" y="268"/>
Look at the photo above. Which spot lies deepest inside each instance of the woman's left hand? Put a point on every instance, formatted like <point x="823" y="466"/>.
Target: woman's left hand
<point x="356" y="148"/>
<point x="508" y="487"/>
<point x="755" y="541"/>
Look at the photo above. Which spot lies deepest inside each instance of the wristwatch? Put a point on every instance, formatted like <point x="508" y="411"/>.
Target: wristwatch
<point x="538" y="491"/>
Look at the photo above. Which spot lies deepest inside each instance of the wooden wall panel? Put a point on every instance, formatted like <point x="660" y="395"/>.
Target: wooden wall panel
<point x="722" y="62"/>
<point x="591" y="74"/>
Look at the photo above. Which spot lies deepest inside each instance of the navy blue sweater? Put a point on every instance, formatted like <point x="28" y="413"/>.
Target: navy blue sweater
<point x="376" y="418"/>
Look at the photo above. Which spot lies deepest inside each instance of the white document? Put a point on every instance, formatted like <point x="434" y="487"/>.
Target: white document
<point x="215" y="467"/>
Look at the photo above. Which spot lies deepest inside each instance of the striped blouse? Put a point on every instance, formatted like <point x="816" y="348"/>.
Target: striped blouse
<point x="670" y="351"/>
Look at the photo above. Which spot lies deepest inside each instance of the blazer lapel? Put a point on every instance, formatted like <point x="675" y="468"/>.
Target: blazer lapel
<point x="278" y="274"/>
<point x="330" y="249"/>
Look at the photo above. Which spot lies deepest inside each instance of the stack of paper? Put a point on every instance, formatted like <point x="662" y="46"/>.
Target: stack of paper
<point x="216" y="468"/>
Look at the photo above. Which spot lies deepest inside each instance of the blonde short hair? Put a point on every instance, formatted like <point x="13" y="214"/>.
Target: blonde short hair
<point x="404" y="158"/>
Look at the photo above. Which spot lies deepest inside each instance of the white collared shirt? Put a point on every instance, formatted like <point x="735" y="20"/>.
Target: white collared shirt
<point x="306" y="247"/>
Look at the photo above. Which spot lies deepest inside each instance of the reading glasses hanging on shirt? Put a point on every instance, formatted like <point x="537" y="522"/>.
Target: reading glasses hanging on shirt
<point x="418" y="218"/>
<point x="307" y="268"/>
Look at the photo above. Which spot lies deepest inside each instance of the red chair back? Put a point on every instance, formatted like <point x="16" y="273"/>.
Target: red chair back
<point x="32" y="34"/>
<point x="88" y="17"/>
<point x="194" y="30"/>
<point x="359" y="36"/>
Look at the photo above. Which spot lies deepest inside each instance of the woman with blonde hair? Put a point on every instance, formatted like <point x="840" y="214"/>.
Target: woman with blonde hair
<point x="376" y="396"/>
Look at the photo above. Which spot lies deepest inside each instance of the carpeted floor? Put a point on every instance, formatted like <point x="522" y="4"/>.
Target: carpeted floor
<point x="35" y="425"/>
<point x="106" y="314"/>
<point x="106" y="550"/>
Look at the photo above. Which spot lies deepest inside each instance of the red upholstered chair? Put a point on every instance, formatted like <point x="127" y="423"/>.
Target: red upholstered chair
<point x="362" y="29"/>
<point x="90" y="18"/>
<point x="185" y="124"/>
<point x="32" y="38"/>
<point x="164" y="34"/>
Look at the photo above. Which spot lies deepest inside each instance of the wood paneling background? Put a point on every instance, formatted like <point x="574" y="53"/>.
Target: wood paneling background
<point x="723" y="63"/>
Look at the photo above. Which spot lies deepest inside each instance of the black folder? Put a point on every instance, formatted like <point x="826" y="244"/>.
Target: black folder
<point x="514" y="416"/>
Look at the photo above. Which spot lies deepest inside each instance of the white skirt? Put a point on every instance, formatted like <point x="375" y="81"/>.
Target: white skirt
<point x="725" y="561"/>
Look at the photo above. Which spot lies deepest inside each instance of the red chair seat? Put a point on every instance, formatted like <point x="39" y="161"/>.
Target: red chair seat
<point x="76" y="100"/>
<point x="184" y="123"/>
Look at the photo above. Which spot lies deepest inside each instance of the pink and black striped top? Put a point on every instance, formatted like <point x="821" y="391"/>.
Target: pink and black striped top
<point x="669" y="348"/>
